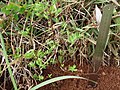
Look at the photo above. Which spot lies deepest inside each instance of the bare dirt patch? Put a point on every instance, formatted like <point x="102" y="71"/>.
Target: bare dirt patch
<point x="109" y="79"/>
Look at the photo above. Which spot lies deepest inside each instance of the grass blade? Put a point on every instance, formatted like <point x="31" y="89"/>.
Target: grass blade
<point x="7" y="62"/>
<point x="58" y="79"/>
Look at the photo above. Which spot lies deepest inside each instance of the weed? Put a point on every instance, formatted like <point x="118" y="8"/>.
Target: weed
<point x="50" y="75"/>
<point x="38" y="77"/>
<point x="72" y="68"/>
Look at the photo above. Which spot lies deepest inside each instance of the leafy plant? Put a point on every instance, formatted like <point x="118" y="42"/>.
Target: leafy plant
<point x="31" y="64"/>
<point x="50" y="75"/>
<point x="38" y="77"/>
<point x="40" y="63"/>
<point x="14" y="9"/>
<point x="29" y="54"/>
<point x="73" y="37"/>
<point x="72" y="68"/>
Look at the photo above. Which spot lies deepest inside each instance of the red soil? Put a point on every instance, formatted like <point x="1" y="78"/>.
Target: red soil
<point x="109" y="79"/>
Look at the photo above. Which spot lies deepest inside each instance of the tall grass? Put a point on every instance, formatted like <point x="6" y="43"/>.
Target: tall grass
<point x="7" y="62"/>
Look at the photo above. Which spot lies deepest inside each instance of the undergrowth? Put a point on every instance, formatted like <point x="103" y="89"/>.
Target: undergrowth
<point x="38" y="34"/>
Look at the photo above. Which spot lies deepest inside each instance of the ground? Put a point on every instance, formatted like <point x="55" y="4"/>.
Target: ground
<point x="109" y="79"/>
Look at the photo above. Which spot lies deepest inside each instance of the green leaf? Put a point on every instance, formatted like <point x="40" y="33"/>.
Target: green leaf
<point x="39" y="62"/>
<point x="58" y="79"/>
<point x="24" y="33"/>
<point x="41" y="77"/>
<point x="73" y="37"/>
<point x="40" y="54"/>
<point x="72" y="68"/>
<point x="22" y="10"/>
<point x="4" y="10"/>
<point x="29" y="54"/>
<point x="31" y="64"/>
<point x="16" y="16"/>
<point x="38" y="77"/>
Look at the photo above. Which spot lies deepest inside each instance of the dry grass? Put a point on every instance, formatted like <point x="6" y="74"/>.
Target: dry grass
<point x="57" y="32"/>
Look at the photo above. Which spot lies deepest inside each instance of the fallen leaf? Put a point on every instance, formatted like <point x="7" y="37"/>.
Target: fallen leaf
<point x="98" y="15"/>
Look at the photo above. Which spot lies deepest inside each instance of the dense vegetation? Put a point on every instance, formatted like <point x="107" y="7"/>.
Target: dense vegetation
<point x="37" y="34"/>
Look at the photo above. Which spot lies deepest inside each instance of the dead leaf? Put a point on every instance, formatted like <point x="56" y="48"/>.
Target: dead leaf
<point x="98" y="15"/>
